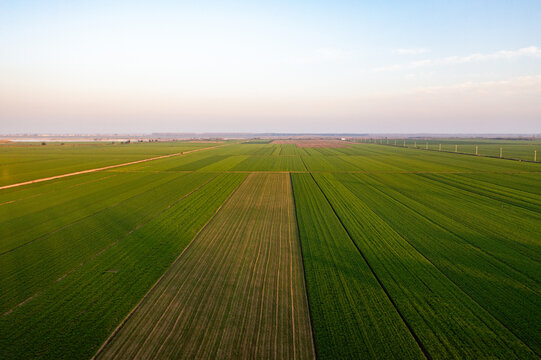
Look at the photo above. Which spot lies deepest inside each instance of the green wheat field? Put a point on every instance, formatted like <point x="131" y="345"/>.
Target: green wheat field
<point x="263" y="249"/>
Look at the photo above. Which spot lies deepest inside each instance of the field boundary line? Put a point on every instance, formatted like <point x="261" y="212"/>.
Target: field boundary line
<point x="419" y="343"/>
<point x="138" y="305"/>
<point x="102" y="168"/>
<point x="439" y="270"/>
<point x="465" y="293"/>
<point x="450" y="231"/>
<point x="314" y="347"/>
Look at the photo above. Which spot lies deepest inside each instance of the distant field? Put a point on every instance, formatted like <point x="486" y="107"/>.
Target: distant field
<point x="513" y="149"/>
<point x="357" y="251"/>
<point x="23" y="162"/>
<point x="313" y="143"/>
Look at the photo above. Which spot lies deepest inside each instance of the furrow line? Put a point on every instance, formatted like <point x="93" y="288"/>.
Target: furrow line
<point x="123" y="322"/>
<point x="311" y="320"/>
<point x="457" y="286"/>
<point x="410" y="328"/>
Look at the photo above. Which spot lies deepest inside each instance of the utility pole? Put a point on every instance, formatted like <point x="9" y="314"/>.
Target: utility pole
<point x="440" y="147"/>
<point x="535" y="156"/>
<point x="501" y="152"/>
<point x="476" y="150"/>
<point x="404" y="143"/>
<point x="456" y="147"/>
<point x="426" y="147"/>
<point x="415" y="144"/>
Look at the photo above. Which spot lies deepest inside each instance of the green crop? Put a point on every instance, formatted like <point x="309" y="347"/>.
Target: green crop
<point x="363" y="250"/>
<point x="352" y="315"/>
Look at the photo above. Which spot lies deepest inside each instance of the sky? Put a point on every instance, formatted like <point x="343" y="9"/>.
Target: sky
<point x="280" y="66"/>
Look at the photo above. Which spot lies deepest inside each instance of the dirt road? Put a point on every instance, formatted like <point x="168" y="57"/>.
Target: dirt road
<point x="101" y="168"/>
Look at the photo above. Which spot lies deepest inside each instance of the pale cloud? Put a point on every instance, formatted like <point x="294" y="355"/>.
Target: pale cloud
<point x="531" y="51"/>
<point x="410" y="51"/>
<point x="513" y="85"/>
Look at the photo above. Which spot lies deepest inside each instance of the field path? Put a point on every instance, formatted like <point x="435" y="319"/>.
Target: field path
<point x="102" y="168"/>
<point x="237" y="292"/>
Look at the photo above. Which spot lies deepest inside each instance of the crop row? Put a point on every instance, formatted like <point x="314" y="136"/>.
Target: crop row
<point x="510" y="235"/>
<point x="89" y="278"/>
<point x="236" y="292"/>
<point x="352" y="315"/>
<point x="407" y="254"/>
<point x="448" y="322"/>
<point x="465" y="255"/>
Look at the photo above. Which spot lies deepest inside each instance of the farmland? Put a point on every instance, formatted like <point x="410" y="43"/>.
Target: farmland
<point x="263" y="249"/>
<point x="520" y="149"/>
<point x="252" y="301"/>
<point x="22" y="163"/>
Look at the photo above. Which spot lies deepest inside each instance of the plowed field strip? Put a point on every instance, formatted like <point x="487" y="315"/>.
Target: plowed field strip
<point x="237" y="291"/>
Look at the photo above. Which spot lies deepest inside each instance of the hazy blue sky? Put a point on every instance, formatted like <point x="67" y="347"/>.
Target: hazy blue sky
<point x="307" y="66"/>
